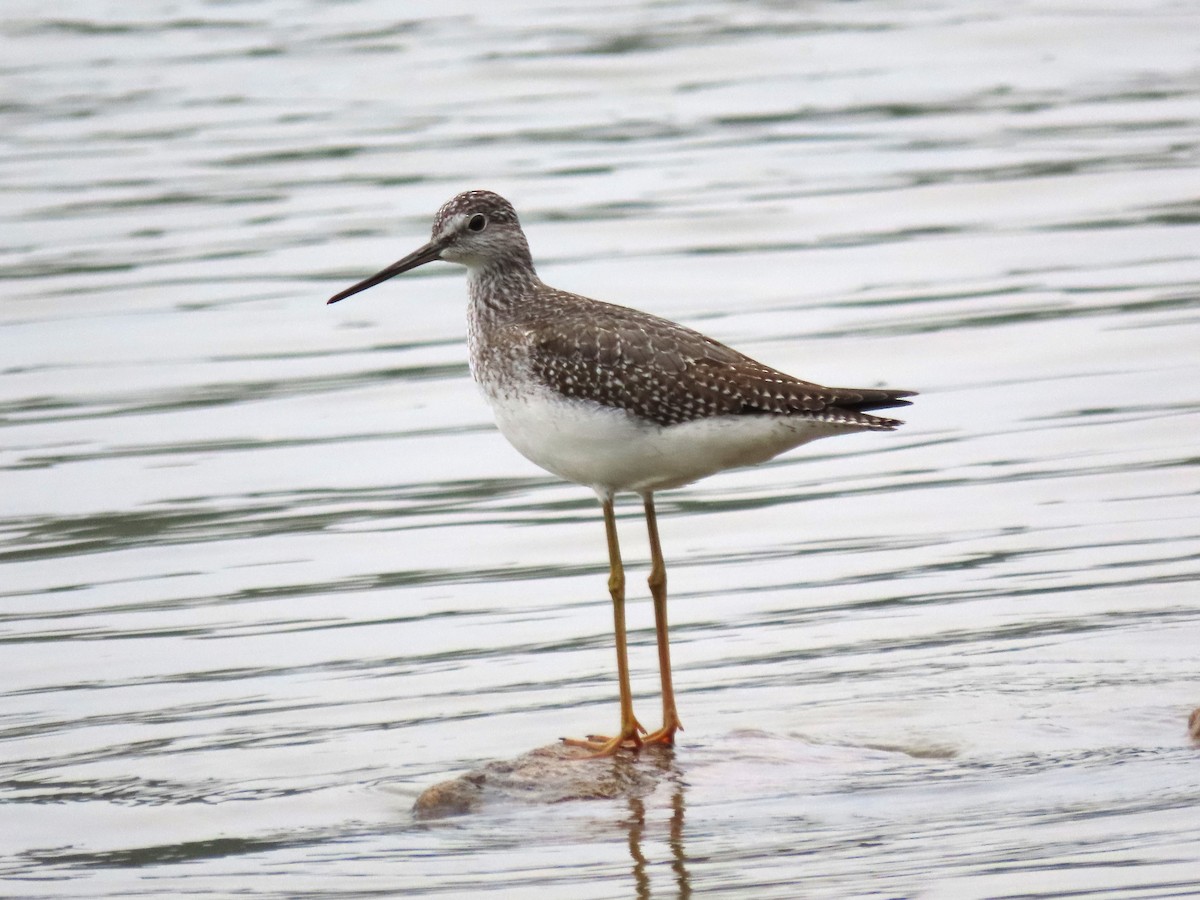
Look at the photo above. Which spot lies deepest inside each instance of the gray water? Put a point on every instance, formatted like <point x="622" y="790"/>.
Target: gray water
<point x="267" y="571"/>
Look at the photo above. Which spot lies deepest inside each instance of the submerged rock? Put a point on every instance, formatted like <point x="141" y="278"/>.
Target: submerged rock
<point x="551" y="774"/>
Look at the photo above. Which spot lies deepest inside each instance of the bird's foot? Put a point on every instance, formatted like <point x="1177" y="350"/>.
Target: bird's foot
<point x="630" y="738"/>
<point x="665" y="736"/>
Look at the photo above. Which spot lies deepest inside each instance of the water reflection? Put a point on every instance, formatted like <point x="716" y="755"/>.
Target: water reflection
<point x="636" y="823"/>
<point x="672" y="780"/>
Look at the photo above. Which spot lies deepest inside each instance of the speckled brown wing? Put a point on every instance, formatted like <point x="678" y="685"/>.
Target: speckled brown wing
<point x="669" y="374"/>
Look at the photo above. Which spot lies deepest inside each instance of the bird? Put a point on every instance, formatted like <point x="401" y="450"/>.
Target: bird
<point x="619" y="400"/>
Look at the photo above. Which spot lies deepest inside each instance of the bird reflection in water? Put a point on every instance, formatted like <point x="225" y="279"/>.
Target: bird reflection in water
<point x="672" y="780"/>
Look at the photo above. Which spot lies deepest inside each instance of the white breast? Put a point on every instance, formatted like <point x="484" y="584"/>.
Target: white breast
<point x="610" y="450"/>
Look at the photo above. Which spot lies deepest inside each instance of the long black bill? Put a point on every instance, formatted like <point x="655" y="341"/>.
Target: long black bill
<point x="426" y="254"/>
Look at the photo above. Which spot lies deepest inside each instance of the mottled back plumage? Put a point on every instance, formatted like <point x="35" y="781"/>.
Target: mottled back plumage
<point x="668" y="374"/>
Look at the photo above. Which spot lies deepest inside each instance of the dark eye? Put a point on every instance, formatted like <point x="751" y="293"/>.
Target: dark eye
<point x="478" y="222"/>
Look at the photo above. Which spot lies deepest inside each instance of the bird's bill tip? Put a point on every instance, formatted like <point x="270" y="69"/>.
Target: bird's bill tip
<point x="419" y="257"/>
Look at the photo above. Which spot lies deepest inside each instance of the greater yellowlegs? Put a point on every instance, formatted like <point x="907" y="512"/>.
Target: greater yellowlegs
<point x="619" y="400"/>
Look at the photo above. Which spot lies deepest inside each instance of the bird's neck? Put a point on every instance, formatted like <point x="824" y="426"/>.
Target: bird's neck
<point x="497" y="289"/>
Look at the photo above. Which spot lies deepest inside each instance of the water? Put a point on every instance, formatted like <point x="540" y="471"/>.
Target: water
<point x="268" y="572"/>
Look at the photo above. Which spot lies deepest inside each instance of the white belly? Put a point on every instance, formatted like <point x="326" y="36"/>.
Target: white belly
<point x="611" y="451"/>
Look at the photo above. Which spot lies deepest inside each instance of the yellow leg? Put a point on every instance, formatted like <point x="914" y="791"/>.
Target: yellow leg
<point x="658" y="589"/>
<point x="630" y="733"/>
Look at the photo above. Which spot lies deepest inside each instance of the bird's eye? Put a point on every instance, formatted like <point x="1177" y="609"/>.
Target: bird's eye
<point x="478" y="222"/>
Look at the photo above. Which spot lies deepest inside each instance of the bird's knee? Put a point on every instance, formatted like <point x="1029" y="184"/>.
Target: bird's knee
<point x="616" y="585"/>
<point x="657" y="580"/>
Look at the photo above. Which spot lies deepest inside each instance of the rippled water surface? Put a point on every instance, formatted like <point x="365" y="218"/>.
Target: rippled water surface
<point x="267" y="571"/>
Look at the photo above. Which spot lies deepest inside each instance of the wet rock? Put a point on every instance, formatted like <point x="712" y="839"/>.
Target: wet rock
<point x="551" y="774"/>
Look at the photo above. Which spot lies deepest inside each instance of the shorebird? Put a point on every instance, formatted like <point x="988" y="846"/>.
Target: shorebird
<point x="619" y="400"/>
